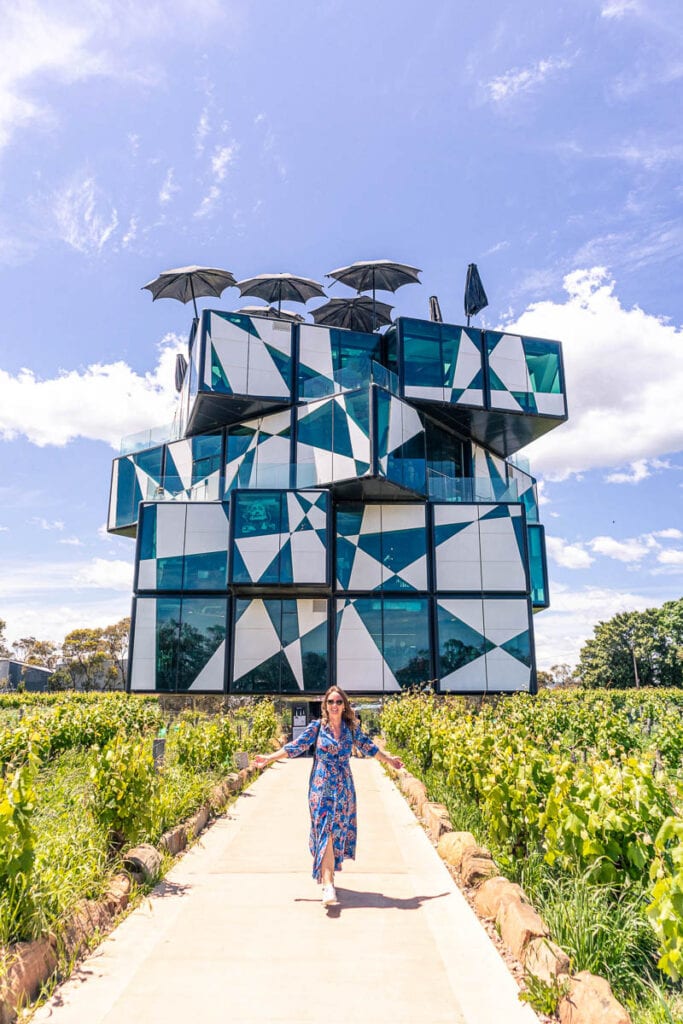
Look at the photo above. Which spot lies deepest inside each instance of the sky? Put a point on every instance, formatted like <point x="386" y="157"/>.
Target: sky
<point x="540" y="141"/>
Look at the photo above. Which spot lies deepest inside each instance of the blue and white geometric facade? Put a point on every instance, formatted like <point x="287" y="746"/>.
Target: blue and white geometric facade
<point x="342" y="507"/>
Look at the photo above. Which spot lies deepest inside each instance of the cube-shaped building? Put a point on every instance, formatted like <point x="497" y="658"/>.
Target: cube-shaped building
<point x="341" y="507"/>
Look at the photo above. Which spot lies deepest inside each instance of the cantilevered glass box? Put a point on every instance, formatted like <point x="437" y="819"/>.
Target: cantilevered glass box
<point x="341" y="507"/>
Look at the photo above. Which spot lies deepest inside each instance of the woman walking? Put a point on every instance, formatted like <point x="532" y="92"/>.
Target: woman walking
<point x="331" y="792"/>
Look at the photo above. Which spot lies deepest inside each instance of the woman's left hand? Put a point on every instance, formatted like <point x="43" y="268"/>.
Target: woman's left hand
<point x="395" y="762"/>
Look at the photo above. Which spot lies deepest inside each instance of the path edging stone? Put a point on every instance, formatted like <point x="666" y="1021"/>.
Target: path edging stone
<point x="589" y="998"/>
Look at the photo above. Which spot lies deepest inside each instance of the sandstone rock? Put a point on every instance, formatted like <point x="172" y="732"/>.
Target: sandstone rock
<point x="219" y="796"/>
<point x="233" y="781"/>
<point x="590" y="1001"/>
<point x="415" y="791"/>
<point x="198" y="821"/>
<point x="143" y="861"/>
<point x="174" y="840"/>
<point x="493" y="892"/>
<point x="87" y="917"/>
<point x="243" y="776"/>
<point x="30" y="966"/>
<point x="452" y="846"/>
<point x="436" y="819"/>
<point x="477" y="865"/>
<point x="519" y="924"/>
<point x="545" y="960"/>
<point x="119" y="892"/>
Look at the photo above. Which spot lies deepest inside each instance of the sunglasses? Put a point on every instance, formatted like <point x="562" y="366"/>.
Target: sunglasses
<point x="335" y="702"/>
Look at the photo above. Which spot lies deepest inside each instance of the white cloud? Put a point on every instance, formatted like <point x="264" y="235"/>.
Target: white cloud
<point x="4" y="529"/>
<point x="618" y="8"/>
<point x="523" y="79"/>
<point x="222" y="158"/>
<point x="46" y="524"/>
<point x="84" y="216"/>
<point x="563" y="629"/>
<point x="74" y="542"/>
<point x="201" y="131"/>
<point x="671" y="556"/>
<point x="104" y="402"/>
<point x="624" y="377"/>
<point x="168" y="188"/>
<point x="105" y="573"/>
<point x="208" y="202"/>
<point x="569" y="556"/>
<point x="131" y="233"/>
<point x="84" y="38"/>
<point x="672" y="533"/>
<point x="630" y="550"/>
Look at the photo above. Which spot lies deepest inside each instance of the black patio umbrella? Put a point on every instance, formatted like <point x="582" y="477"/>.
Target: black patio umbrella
<point x="270" y="313"/>
<point x="361" y="314"/>
<point x="185" y="283"/>
<point x="276" y="287"/>
<point x="475" y="296"/>
<point x="371" y="275"/>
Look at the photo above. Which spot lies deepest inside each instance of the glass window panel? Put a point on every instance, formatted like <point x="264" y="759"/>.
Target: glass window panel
<point x="167" y="636"/>
<point x="257" y="514"/>
<point x="459" y="643"/>
<point x="537" y="566"/>
<point x="202" y="631"/>
<point x="207" y="571"/>
<point x="543" y="365"/>
<point x="406" y="640"/>
<point x="148" y="532"/>
<point x="206" y="456"/>
<point x="170" y="573"/>
<point x="422" y="361"/>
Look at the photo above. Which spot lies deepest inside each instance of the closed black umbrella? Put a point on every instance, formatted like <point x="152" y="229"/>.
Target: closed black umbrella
<point x="475" y="296"/>
<point x="180" y="371"/>
<point x="185" y="283"/>
<point x="371" y="275"/>
<point x="435" y="310"/>
<point x="276" y="287"/>
<point x="359" y="314"/>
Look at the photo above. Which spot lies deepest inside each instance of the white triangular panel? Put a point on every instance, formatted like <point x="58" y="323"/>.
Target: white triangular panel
<point x="258" y="553"/>
<point x="211" y="676"/>
<point x="471" y="676"/>
<point x="293" y="654"/>
<point x="255" y="639"/>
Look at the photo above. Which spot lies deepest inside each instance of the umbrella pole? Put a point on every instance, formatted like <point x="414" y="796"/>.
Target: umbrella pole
<point x="194" y="301"/>
<point x="373" y="300"/>
<point x="468" y="319"/>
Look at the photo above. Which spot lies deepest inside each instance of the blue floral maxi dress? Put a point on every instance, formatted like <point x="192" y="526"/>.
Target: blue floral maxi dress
<point x="331" y="793"/>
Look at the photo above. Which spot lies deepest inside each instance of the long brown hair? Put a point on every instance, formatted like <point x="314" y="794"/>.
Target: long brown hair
<point x="348" y="714"/>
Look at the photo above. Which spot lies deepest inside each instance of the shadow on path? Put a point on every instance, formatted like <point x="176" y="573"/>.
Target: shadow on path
<point x="351" y="900"/>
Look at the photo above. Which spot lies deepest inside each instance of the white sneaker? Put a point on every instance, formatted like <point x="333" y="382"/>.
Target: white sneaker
<point x="329" y="895"/>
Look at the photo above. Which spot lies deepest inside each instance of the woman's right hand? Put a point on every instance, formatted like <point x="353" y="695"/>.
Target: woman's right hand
<point x="262" y="760"/>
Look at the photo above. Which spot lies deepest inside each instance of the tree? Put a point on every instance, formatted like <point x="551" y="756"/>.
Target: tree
<point x="4" y="649"/>
<point x="635" y="649"/>
<point x="115" y="642"/>
<point x="84" y="656"/>
<point x="36" y="652"/>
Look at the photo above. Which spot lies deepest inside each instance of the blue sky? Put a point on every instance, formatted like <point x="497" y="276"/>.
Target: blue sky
<point x="540" y="141"/>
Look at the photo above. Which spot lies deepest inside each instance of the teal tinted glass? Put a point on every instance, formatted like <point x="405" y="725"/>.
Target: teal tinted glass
<point x="257" y="513"/>
<point x="167" y="642"/>
<point x="459" y="644"/>
<point x="206" y="571"/>
<point x="170" y="573"/>
<point x="206" y="455"/>
<point x="202" y="631"/>
<point x="537" y="566"/>
<point x="422" y="361"/>
<point x="148" y="532"/>
<point x="406" y="640"/>
<point x="543" y="365"/>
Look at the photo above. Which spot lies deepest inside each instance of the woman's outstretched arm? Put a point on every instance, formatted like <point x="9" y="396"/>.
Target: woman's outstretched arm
<point x="263" y="760"/>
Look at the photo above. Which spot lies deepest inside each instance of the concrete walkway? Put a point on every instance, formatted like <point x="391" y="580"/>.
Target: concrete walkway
<point x="236" y="932"/>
